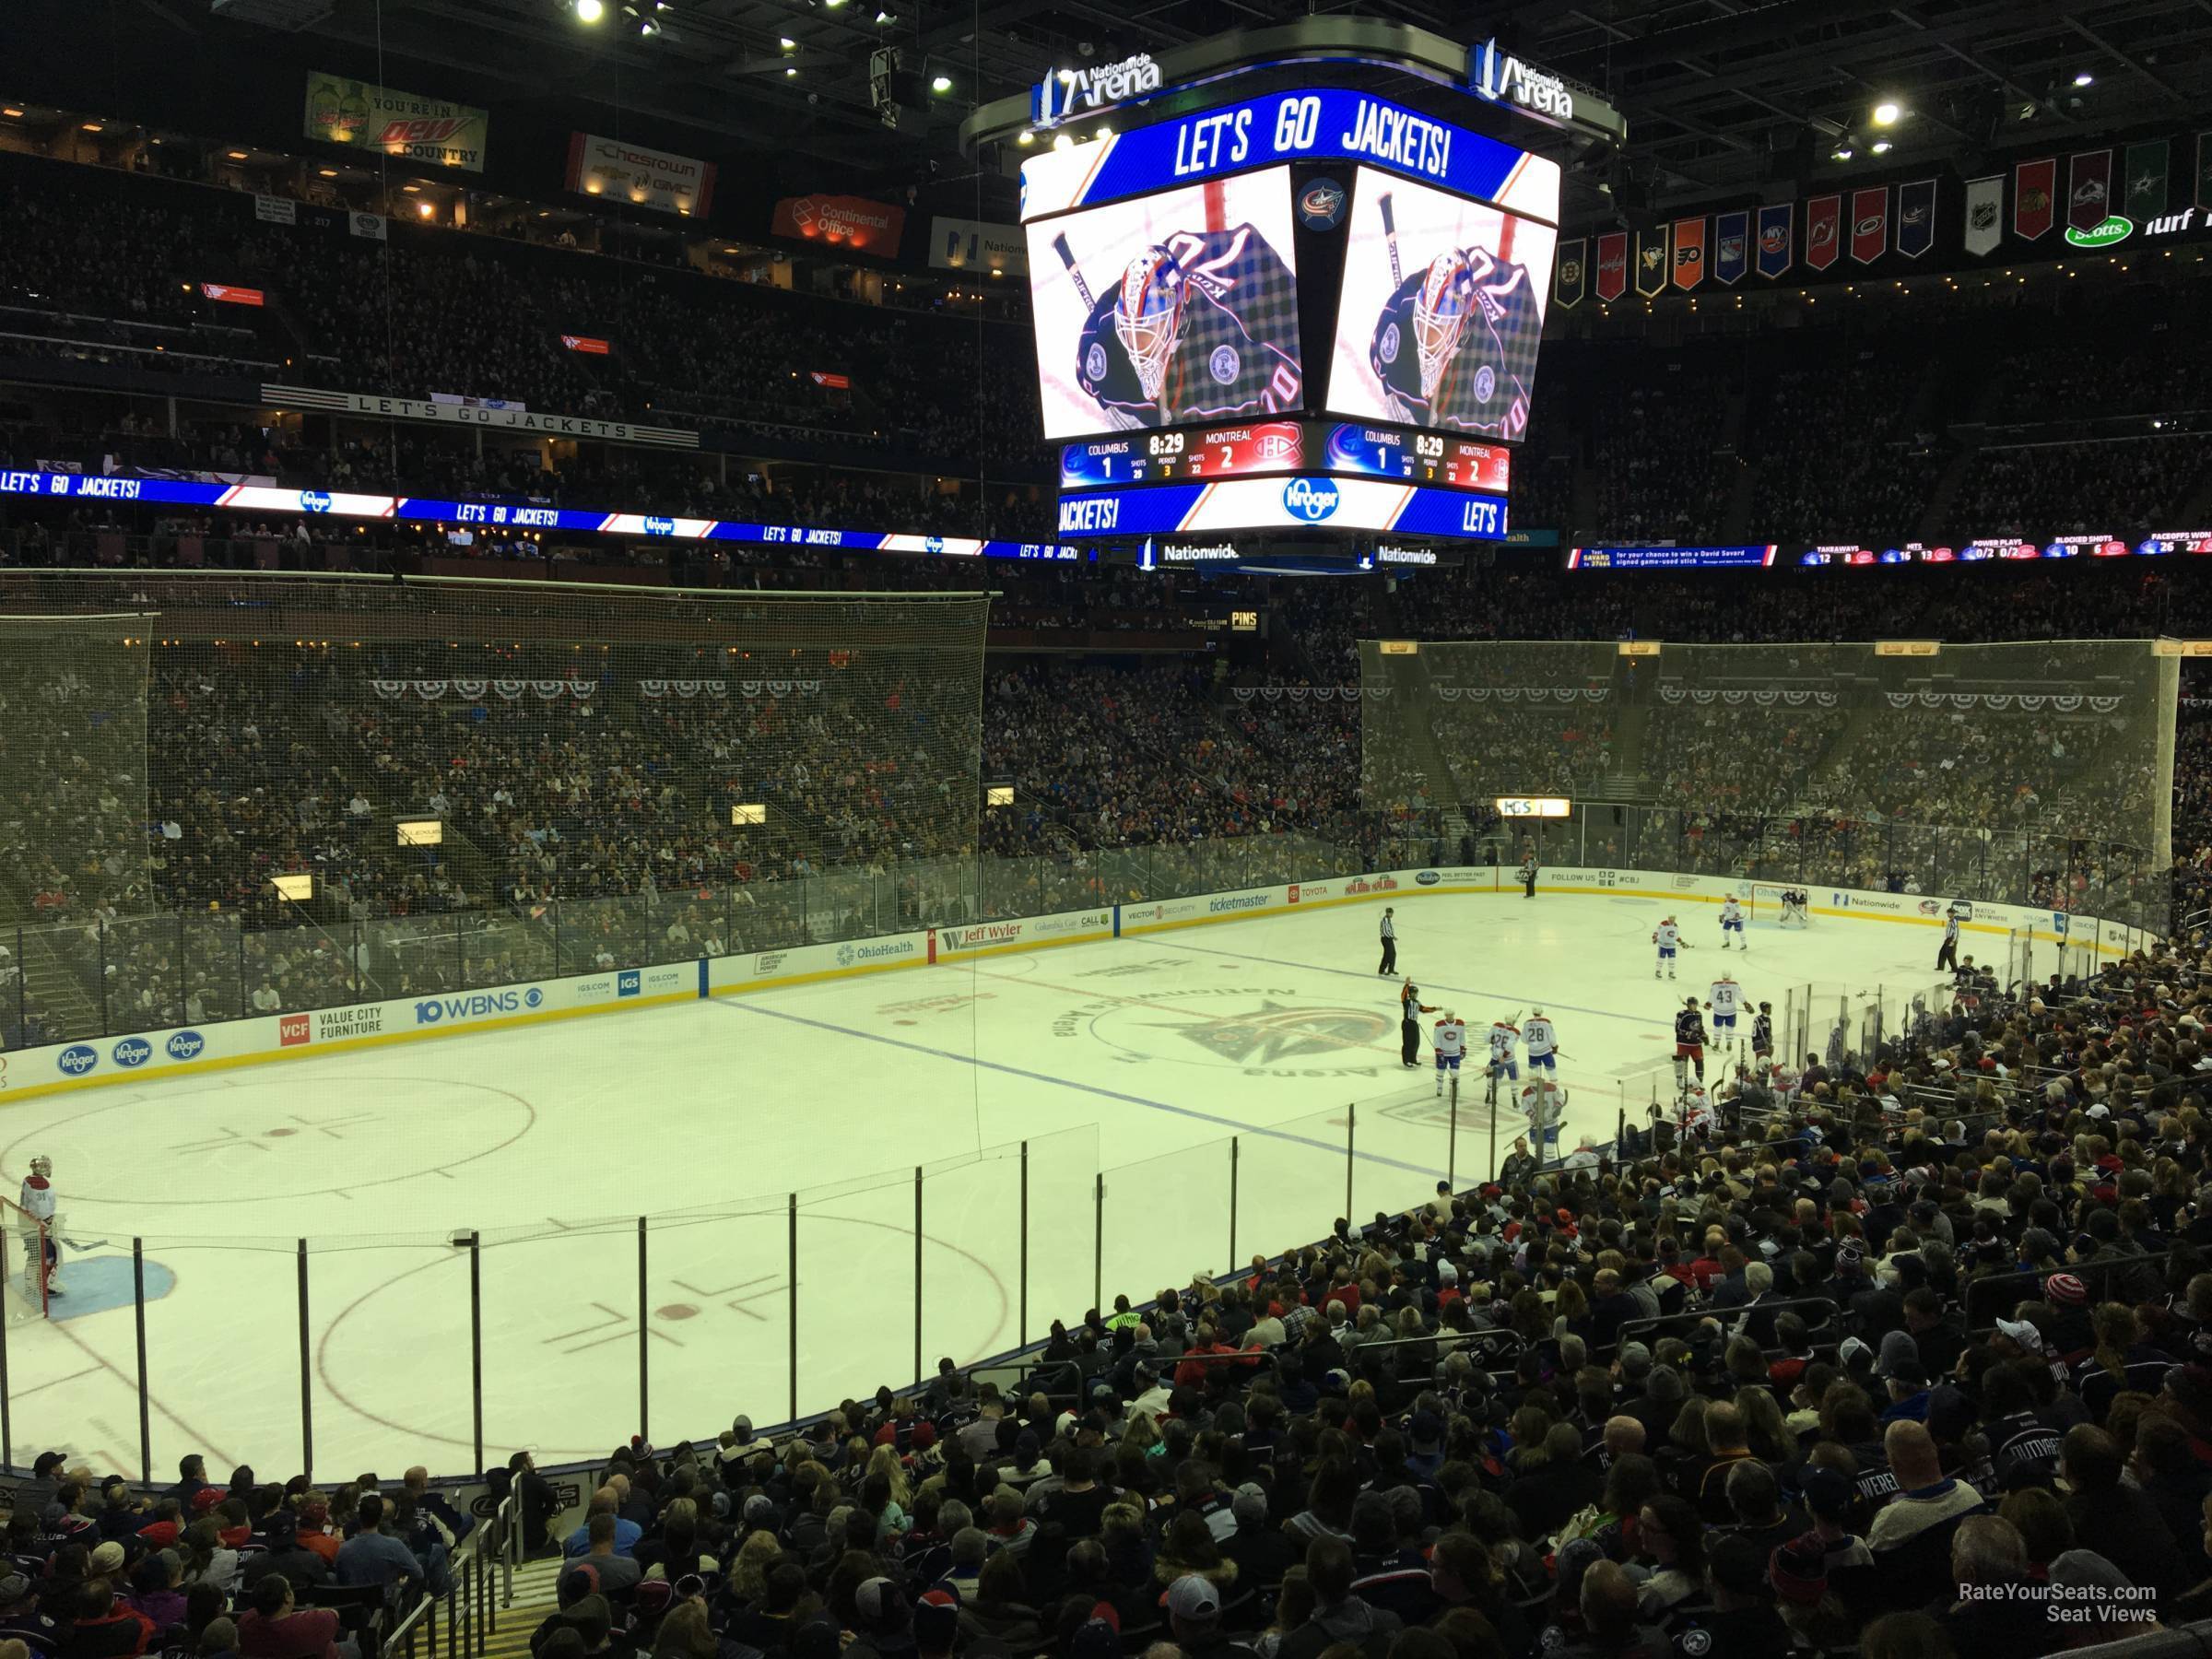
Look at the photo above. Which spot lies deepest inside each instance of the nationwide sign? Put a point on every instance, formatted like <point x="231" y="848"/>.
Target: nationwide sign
<point x="1085" y="91"/>
<point x="1496" y="75"/>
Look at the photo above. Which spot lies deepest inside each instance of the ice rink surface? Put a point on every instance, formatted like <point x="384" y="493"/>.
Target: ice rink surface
<point x="1146" y="1057"/>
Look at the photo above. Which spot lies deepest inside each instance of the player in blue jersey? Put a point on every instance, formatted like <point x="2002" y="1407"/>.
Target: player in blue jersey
<point x="1455" y="346"/>
<point x="1201" y="327"/>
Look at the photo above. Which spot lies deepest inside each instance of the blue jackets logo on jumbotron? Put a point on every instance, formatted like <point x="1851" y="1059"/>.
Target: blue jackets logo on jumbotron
<point x="1320" y="205"/>
<point x="314" y="500"/>
<point x="660" y="526"/>
<point x="1311" y="500"/>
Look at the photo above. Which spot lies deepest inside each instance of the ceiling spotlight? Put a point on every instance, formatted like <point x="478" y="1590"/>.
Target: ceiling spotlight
<point x="1884" y="113"/>
<point x="941" y="83"/>
<point x="1880" y="146"/>
<point x="1104" y="132"/>
<point x="1027" y="138"/>
<point x="884" y="17"/>
<point x="2084" y="78"/>
<point x="1843" y="152"/>
<point x="1064" y="142"/>
<point x="590" y="11"/>
<point x="785" y="41"/>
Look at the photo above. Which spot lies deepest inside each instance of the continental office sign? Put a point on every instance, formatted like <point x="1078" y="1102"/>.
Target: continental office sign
<point x="360" y="116"/>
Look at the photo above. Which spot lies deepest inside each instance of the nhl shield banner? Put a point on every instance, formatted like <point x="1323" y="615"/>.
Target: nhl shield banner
<point x="2146" y="185"/>
<point x="2034" y="187"/>
<point x="1689" y="252"/>
<point x="1823" y="232"/>
<point x="1650" y="263"/>
<point x="1567" y="285"/>
<point x="1869" y="223"/>
<point x="1729" y="231"/>
<point x="2089" y="189"/>
<point x="1776" y="227"/>
<point x="1916" y="217"/>
<point x="1613" y="265"/>
<point x="1985" y="214"/>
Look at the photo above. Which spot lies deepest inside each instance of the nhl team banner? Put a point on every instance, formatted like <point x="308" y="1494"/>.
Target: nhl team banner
<point x="1985" y="214"/>
<point x="2203" y="171"/>
<point x="1823" y="232"/>
<point x="2035" y="190"/>
<point x="1650" y="263"/>
<point x="2147" y="165"/>
<point x="405" y="124"/>
<point x="1777" y="237"/>
<point x="1689" y="252"/>
<point x="645" y="178"/>
<point x="1566" y="277"/>
<point x="1729" y="230"/>
<point x="1869" y="223"/>
<point x="1916" y="217"/>
<point x="2089" y="189"/>
<point x="1613" y="265"/>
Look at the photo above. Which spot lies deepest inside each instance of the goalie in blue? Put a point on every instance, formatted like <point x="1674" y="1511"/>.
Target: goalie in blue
<point x="1455" y="346"/>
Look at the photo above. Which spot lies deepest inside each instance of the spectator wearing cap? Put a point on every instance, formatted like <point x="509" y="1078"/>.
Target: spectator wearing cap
<point x="1339" y="1614"/>
<point x="1999" y="1607"/>
<point x="285" y="1554"/>
<point x="1193" y="1604"/>
<point x="276" y="1628"/>
<point x="1261" y="1552"/>
<point x="882" y="1617"/>
<point x="1904" y="1378"/>
<point x="2095" y="1580"/>
<point x="21" y="1620"/>
<point x="2121" y="1519"/>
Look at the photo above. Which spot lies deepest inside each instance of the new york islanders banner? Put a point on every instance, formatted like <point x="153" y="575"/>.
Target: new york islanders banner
<point x="2034" y="185"/>
<point x="2089" y="189"/>
<point x="1916" y="217"/>
<point x="1613" y="265"/>
<point x="1729" y="230"/>
<point x="1689" y="252"/>
<point x="2147" y="167"/>
<point x="1777" y="238"/>
<point x="1567" y="283"/>
<point x="1823" y="232"/>
<point x="1650" y="263"/>
<point x="1985" y="214"/>
<point x="1869" y="223"/>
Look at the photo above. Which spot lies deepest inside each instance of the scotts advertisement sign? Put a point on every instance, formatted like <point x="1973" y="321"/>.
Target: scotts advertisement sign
<point x="360" y="116"/>
<point x="842" y="221"/>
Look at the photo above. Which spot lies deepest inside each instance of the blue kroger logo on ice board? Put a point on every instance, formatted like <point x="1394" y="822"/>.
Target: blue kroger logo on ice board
<point x="78" y="1059"/>
<point x="660" y="526"/>
<point x="134" y="1051"/>
<point x="185" y="1045"/>
<point x="1311" y="500"/>
<point x="314" y="500"/>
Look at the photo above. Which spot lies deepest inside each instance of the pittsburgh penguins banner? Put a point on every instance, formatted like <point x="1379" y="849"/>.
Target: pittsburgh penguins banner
<point x="1777" y="238"/>
<point x="1567" y="283"/>
<point x="1650" y="263"/>
<point x="2146" y="185"/>
<point x="1869" y="223"/>
<point x="1985" y="214"/>
<point x="2089" y="189"/>
<point x="1916" y="217"/>
<point x="1612" y="264"/>
<point x="1689" y="252"/>
<point x="1823" y="232"/>
<point x="1729" y="231"/>
<point x="2034" y="189"/>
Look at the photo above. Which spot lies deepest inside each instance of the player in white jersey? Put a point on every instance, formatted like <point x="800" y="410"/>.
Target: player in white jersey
<point x="1543" y="1043"/>
<point x="1449" y="1038"/>
<point x="1724" y="998"/>
<point x="1732" y="922"/>
<point x="1504" y="1034"/>
<point x="1545" y="1103"/>
<point x="38" y="1201"/>
<point x="1666" y="935"/>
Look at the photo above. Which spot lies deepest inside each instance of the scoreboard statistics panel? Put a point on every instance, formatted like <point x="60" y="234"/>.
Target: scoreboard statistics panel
<point x="1286" y="446"/>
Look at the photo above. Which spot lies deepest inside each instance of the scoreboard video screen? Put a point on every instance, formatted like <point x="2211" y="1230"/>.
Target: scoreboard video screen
<point x="1286" y="446"/>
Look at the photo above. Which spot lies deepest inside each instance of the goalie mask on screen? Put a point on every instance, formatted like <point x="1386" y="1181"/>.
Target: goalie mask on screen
<point x="1148" y="317"/>
<point x="1440" y="313"/>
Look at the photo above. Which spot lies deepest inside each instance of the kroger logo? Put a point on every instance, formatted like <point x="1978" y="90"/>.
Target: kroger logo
<point x="77" y="1060"/>
<point x="185" y="1045"/>
<point x="933" y="544"/>
<point x="660" y="526"/>
<point x="626" y="982"/>
<point x="1427" y="878"/>
<point x="314" y="500"/>
<point x="134" y="1051"/>
<point x="1311" y="500"/>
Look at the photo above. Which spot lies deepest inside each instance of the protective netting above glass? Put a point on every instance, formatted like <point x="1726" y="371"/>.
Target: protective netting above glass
<point x="2035" y="772"/>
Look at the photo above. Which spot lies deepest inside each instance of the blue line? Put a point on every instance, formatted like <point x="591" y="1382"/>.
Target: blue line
<point x="1244" y="956"/>
<point x="1110" y="1094"/>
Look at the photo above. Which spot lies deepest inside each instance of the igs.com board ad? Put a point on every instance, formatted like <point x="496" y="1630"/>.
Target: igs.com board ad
<point x="1441" y="312"/>
<point x="1175" y="307"/>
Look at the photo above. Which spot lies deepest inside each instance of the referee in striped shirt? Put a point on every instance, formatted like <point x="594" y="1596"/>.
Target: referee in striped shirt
<point x="1390" y="943"/>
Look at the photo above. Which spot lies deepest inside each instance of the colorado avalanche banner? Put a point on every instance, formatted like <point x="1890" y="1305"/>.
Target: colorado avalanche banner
<point x="1916" y="217"/>
<point x="1567" y="276"/>
<point x="1613" y="265"/>
<point x="1650" y="263"/>
<point x="1823" y="232"/>
<point x="1869" y="223"/>
<point x="1728" y="232"/>
<point x="1985" y="214"/>
<point x="1777" y="228"/>
<point x="2089" y="189"/>
<point x="1689" y="252"/>
<point x="2034" y="185"/>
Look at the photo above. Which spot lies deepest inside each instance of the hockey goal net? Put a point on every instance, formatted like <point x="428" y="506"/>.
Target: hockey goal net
<point x="1766" y="903"/>
<point x="28" y="1255"/>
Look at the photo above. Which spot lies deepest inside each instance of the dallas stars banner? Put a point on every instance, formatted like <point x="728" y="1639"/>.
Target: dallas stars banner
<point x="2146" y="194"/>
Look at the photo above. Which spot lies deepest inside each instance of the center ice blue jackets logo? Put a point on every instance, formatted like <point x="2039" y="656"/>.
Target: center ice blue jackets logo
<point x="1311" y="500"/>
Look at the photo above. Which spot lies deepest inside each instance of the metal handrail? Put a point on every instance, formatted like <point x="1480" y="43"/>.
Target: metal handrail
<point x="471" y="1617"/>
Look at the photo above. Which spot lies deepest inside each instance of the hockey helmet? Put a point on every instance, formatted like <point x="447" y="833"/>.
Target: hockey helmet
<point x="1440" y="314"/>
<point x="41" y="1166"/>
<point x="1148" y="315"/>
<point x="1690" y="1002"/>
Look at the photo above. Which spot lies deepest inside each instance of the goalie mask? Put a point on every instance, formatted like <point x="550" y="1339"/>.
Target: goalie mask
<point x="1440" y="314"/>
<point x="41" y="1166"/>
<point x="1149" y="315"/>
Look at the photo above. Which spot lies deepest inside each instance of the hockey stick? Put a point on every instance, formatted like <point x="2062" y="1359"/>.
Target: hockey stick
<point x="81" y="1245"/>
<point x="1390" y="238"/>
<point x="1067" y="258"/>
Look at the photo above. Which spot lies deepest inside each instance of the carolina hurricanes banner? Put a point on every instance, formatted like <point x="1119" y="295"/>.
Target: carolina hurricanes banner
<point x="1823" y="232"/>
<point x="1566" y="277"/>
<point x="1869" y="223"/>
<point x="1689" y="252"/>
<point x="1613" y="265"/>
<point x="1916" y="217"/>
<point x="1729" y="230"/>
<point x="2034" y="184"/>
<point x="1777" y="226"/>
<point x="1985" y="214"/>
<point x="2089" y="189"/>
<point x="1650" y="263"/>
